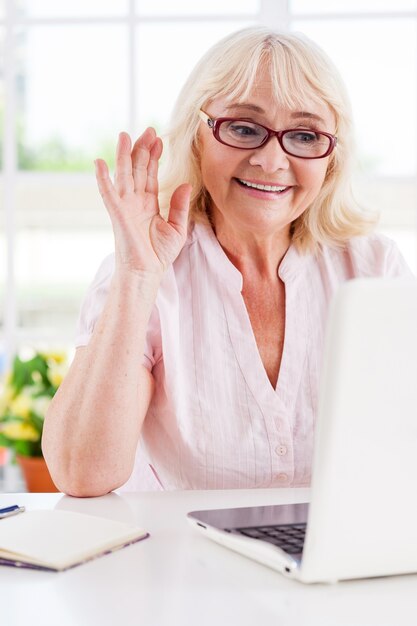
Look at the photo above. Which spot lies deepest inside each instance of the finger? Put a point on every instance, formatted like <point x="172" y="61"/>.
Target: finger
<point x="140" y="158"/>
<point x="180" y="207"/>
<point x="105" y="186"/>
<point x="155" y="155"/>
<point x="123" y="175"/>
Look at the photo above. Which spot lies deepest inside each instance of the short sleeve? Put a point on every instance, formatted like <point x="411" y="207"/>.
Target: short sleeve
<point x="93" y="305"/>
<point x="377" y="256"/>
<point x="395" y="264"/>
<point x="94" y="301"/>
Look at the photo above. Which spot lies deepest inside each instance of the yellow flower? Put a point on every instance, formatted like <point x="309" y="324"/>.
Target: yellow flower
<point x="8" y="378"/>
<point x="40" y="405"/>
<point x="36" y="377"/>
<point x="6" y="396"/>
<point x="20" y="430"/>
<point x="54" y="356"/>
<point x="56" y="373"/>
<point x="21" y="404"/>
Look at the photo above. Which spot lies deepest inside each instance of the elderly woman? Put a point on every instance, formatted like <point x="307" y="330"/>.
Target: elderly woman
<point x="200" y="340"/>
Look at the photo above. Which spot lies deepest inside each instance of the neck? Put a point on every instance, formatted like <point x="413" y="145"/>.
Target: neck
<point x="254" y="254"/>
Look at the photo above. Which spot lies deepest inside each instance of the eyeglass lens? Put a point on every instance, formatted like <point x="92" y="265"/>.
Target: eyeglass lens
<point x="299" y="142"/>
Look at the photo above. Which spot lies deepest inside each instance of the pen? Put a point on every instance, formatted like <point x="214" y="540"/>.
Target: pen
<point x="11" y="510"/>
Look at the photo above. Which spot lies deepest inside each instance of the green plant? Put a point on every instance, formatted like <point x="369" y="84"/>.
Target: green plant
<point x="25" y="395"/>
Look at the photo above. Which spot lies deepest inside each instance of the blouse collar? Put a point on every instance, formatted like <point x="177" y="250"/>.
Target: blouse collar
<point x="290" y="266"/>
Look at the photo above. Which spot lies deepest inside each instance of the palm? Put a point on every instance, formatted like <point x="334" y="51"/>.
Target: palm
<point x="144" y="240"/>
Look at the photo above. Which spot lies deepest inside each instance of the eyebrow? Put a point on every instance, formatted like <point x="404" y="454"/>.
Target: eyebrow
<point x="296" y="115"/>
<point x="305" y="114"/>
<point x="252" y="107"/>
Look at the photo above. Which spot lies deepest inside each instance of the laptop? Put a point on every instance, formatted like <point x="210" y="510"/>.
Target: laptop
<point x="362" y="517"/>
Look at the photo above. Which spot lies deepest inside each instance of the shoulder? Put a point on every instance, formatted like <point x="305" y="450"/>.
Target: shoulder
<point x="371" y="245"/>
<point x="370" y="255"/>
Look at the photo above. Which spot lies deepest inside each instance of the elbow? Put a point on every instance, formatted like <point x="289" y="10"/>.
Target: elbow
<point x="78" y="489"/>
<point x="78" y="485"/>
<point x="80" y="478"/>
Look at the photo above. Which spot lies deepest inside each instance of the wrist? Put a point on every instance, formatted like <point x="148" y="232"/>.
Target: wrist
<point x="139" y="283"/>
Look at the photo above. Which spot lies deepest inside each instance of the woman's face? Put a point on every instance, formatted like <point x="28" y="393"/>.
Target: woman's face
<point x="225" y="170"/>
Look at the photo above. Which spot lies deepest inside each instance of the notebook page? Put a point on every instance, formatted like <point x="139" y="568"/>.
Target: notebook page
<point x="62" y="538"/>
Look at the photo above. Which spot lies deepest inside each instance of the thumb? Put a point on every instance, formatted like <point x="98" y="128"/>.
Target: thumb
<point x="180" y="207"/>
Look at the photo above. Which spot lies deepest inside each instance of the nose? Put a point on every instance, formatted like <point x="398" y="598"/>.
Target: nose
<point x="271" y="157"/>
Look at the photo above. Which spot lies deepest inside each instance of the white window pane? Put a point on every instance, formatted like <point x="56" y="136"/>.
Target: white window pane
<point x="191" y="7"/>
<point x="75" y="8"/>
<point x="59" y="202"/>
<point x="162" y="76"/>
<point x="2" y="98"/>
<point x="349" y="6"/>
<point x="72" y="98"/>
<point x="395" y="198"/>
<point x="63" y="233"/>
<point x="380" y="74"/>
<point x="53" y="269"/>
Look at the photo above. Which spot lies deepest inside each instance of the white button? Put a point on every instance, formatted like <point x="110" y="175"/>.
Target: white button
<point x="281" y="450"/>
<point x="282" y="477"/>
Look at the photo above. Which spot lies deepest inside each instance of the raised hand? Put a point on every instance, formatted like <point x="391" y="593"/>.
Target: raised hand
<point x="145" y="242"/>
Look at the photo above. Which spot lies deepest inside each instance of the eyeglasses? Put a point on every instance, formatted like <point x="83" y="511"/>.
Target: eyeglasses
<point x="246" y="135"/>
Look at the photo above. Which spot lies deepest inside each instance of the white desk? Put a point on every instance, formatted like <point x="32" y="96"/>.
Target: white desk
<point x="177" y="577"/>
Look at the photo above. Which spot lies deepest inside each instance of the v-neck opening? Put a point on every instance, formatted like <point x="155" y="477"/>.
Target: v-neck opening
<point x="242" y="337"/>
<point x="250" y="361"/>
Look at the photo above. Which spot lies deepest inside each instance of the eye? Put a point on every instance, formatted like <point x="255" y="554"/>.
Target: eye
<point x="303" y="136"/>
<point x="243" y="129"/>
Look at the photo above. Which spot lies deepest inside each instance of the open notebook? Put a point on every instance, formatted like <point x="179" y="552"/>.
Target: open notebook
<point x="58" y="540"/>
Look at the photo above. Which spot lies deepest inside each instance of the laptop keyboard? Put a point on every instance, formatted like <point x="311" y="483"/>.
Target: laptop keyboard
<point x="289" y="538"/>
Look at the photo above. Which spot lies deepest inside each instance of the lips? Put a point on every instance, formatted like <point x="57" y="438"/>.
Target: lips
<point x="262" y="186"/>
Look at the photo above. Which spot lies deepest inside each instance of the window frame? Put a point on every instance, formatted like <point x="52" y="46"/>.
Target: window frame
<point x="276" y="12"/>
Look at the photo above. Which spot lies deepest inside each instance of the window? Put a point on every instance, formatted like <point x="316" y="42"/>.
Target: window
<point x="374" y="45"/>
<point x="76" y="73"/>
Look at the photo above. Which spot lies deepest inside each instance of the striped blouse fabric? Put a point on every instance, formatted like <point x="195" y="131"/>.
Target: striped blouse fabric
<point x="215" y="421"/>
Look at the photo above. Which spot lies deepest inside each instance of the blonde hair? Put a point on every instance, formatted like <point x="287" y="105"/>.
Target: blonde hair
<point x="299" y="70"/>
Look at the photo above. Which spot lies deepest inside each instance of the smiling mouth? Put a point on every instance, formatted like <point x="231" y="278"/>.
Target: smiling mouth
<point x="260" y="187"/>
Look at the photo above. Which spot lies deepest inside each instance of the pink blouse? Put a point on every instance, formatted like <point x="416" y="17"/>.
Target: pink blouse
<point x="215" y="421"/>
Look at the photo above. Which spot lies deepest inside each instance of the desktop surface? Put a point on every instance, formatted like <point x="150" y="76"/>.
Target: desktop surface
<point x="177" y="577"/>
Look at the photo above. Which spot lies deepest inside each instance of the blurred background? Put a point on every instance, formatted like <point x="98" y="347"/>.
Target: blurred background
<point x="73" y="74"/>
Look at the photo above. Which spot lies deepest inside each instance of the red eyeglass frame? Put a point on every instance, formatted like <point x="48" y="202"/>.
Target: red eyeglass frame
<point x="215" y="123"/>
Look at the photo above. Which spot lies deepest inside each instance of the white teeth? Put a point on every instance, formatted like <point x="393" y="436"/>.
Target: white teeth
<point x="262" y="187"/>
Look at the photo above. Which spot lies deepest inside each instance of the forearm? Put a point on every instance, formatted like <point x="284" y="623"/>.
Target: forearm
<point x="94" y="421"/>
<point x="93" y="424"/>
